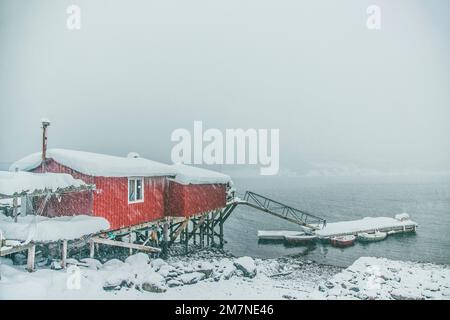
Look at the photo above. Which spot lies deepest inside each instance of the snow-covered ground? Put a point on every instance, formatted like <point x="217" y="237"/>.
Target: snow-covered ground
<point x="212" y="275"/>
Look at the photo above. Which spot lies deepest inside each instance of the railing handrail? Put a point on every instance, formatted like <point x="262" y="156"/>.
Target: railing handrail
<point x="264" y="203"/>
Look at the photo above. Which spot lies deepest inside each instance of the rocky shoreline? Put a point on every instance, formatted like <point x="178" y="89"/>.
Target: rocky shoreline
<point x="216" y="274"/>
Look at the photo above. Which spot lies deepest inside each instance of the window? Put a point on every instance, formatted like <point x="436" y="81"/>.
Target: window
<point x="135" y="190"/>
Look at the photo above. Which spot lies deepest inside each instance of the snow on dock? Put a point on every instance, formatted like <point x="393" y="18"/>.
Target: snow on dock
<point x="401" y="223"/>
<point x="368" y="224"/>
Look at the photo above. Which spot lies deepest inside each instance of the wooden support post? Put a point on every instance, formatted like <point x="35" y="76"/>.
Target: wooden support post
<point x="129" y="240"/>
<point x="207" y="230"/>
<point x="202" y="236"/>
<point x="165" y="244"/>
<point x="30" y="259"/>
<point x="64" y="254"/>
<point x="91" y="249"/>
<point x="195" y="221"/>
<point x="179" y="230"/>
<point x="186" y="238"/>
<point x="15" y="209"/>
<point x="213" y="224"/>
<point x="221" y="228"/>
<point x="198" y="225"/>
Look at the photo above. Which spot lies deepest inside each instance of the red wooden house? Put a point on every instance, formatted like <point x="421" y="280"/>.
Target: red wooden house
<point x="195" y="190"/>
<point x="130" y="190"/>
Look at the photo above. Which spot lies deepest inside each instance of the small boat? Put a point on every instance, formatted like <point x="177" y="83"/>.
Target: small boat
<point x="369" y="237"/>
<point x="343" y="241"/>
<point x="299" y="239"/>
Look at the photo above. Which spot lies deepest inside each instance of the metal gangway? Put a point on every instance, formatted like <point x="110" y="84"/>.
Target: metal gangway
<point x="278" y="209"/>
<point x="283" y="211"/>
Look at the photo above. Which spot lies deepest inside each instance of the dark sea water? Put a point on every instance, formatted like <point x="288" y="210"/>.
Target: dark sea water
<point x="425" y="199"/>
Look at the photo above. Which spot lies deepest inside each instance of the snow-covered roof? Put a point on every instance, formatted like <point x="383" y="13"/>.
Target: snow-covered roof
<point x="44" y="229"/>
<point x="16" y="183"/>
<point x="95" y="164"/>
<point x="194" y="175"/>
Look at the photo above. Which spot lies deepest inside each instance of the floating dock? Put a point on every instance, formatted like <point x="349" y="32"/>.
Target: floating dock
<point x="368" y="224"/>
<point x="351" y="227"/>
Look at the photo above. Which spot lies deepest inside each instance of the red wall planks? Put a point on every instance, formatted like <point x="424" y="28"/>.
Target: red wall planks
<point x="187" y="200"/>
<point x="112" y="201"/>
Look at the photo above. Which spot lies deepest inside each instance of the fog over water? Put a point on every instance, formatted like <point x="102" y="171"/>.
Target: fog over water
<point x="347" y="100"/>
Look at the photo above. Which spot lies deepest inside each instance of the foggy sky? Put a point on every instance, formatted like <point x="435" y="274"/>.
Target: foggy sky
<point x="137" y="70"/>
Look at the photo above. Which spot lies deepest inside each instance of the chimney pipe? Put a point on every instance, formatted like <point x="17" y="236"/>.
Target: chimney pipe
<point x="45" y="125"/>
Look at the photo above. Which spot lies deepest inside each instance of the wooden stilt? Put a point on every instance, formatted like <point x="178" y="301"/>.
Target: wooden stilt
<point x="186" y="238"/>
<point x="213" y="220"/>
<point x="15" y="209"/>
<point x="91" y="249"/>
<point x="207" y="231"/>
<point x="64" y="254"/>
<point x="221" y="229"/>
<point x="165" y="243"/>
<point x="30" y="259"/>
<point x="193" y="231"/>
<point x="129" y="240"/>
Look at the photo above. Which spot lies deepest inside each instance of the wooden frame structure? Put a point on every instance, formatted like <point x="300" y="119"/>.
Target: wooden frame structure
<point x="31" y="246"/>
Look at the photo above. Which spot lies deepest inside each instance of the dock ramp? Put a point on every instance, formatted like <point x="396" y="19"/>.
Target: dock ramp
<point x="281" y="210"/>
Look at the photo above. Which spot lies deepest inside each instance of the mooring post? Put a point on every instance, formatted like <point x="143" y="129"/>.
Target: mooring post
<point x="30" y="259"/>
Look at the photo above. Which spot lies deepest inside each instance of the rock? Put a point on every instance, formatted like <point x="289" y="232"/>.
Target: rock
<point x="56" y="265"/>
<point x="335" y="292"/>
<point x="153" y="287"/>
<point x="174" y="283"/>
<point x="158" y="263"/>
<point x="329" y="284"/>
<point x="406" y="294"/>
<point x="115" y="281"/>
<point x="153" y="282"/>
<point x="92" y="263"/>
<point x="191" y="278"/>
<point x="354" y="289"/>
<point x="138" y="259"/>
<point x="72" y="261"/>
<point x="166" y="269"/>
<point x="431" y="286"/>
<point x="246" y="265"/>
<point x="173" y="274"/>
<point x="112" y="264"/>
<point x="206" y="268"/>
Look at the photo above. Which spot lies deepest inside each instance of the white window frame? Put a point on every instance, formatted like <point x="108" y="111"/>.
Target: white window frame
<point x="135" y="179"/>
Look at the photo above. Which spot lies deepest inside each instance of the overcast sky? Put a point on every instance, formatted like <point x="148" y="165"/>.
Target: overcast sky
<point x="339" y="93"/>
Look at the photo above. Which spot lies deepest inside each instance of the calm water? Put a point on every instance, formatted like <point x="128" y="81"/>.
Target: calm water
<point x="427" y="200"/>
